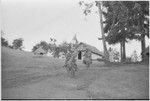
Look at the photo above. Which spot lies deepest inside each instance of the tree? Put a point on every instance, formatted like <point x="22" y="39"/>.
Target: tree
<point x="52" y="44"/>
<point x="116" y="26"/>
<point x="49" y="46"/>
<point x="98" y="4"/>
<point x="124" y="21"/>
<point x="4" y="42"/>
<point x="17" y="43"/>
<point x="65" y="47"/>
<point x="141" y="22"/>
<point x="87" y="10"/>
<point x="56" y="52"/>
<point x="42" y="44"/>
<point x="35" y="47"/>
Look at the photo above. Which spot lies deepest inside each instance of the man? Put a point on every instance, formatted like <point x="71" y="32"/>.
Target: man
<point x="70" y="63"/>
<point x="111" y="53"/>
<point x="87" y="60"/>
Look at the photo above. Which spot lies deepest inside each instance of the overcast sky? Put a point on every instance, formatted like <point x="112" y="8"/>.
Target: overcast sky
<point x="36" y="20"/>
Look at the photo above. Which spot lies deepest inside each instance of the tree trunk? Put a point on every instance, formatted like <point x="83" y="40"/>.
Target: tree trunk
<point x="123" y="51"/>
<point x="143" y="47"/>
<point x="102" y="31"/>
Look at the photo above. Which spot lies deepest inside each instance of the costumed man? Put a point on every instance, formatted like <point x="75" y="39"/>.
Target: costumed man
<point x="111" y="55"/>
<point x="70" y="63"/>
<point x="87" y="60"/>
<point x="134" y="57"/>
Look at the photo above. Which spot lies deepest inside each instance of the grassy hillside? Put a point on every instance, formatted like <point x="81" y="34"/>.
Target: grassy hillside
<point x="25" y="76"/>
<point x="16" y="59"/>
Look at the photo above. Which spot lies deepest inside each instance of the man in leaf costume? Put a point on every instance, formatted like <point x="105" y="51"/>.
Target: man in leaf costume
<point x="87" y="58"/>
<point x="70" y="63"/>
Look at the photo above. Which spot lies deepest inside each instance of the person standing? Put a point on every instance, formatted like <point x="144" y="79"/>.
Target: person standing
<point x="87" y="60"/>
<point x="111" y="53"/>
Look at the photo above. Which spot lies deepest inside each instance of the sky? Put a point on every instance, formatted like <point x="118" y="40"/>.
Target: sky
<point x="36" y="20"/>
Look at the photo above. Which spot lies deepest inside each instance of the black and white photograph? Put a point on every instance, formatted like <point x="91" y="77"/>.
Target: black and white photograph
<point x="74" y="50"/>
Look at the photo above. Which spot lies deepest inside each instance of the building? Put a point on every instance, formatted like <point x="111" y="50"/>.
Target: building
<point x="74" y="40"/>
<point x="40" y="51"/>
<point x="49" y="53"/>
<point x="95" y="52"/>
<point x="147" y="53"/>
<point x="83" y="46"/>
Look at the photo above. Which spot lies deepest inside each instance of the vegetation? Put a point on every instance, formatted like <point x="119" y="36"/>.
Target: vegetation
<point x="65" y="47"/>
<point x="87" y="10"/>
<point x="17" y="43"/>
<point x="53" y="48"/>
<point x="4" y="42"/>
<point x="70" y="64"/>
<point x="134" y="57"/>
<point x="124" y="21"/>
<point x="87" y="58"/>
<point x="116" y="56"/>
<point x="42" y="44"/>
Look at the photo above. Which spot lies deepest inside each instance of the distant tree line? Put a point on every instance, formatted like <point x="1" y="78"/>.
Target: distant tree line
<point x="16" y="44"/>
<point x="53" y="48"/>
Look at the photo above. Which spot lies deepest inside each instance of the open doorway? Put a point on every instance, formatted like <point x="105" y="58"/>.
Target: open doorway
<point x="80" y="55"/>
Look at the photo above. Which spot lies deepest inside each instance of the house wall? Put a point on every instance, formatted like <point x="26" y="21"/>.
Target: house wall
<point x="94" y="56"/>
<point x="49" y="54"/>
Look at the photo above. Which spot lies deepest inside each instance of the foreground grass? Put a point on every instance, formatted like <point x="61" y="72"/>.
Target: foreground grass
<point x="25" y="76"/>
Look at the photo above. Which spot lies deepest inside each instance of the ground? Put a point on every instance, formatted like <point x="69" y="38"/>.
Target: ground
<point x="25" y="76"/>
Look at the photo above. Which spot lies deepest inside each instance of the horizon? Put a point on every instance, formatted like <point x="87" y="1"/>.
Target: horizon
<point x="40" y="20"/>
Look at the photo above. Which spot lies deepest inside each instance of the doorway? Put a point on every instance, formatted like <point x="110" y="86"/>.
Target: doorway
<point x="80" y="55"/>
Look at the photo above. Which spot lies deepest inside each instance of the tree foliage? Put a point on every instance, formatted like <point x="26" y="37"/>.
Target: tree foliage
<point x="56" y="52"/>
<point x="42" y="44"/>
<point x="53" y="48"/>
<point x="17" y="43"/>
<point x="4" y="42"/>
<point x="65" y="47"/>
<point x="87" y="7"/>
<point x="125" y="20"/>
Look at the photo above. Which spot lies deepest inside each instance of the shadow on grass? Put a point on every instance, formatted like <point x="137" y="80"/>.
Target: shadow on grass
<point x="117" y="64"/>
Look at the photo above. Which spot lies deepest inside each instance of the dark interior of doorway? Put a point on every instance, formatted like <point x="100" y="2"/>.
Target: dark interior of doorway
<point x="80" y="55"/>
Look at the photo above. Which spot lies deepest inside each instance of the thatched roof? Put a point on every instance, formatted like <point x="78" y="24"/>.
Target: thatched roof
<point x="83" y="46"/>
<point x="40" y="50"/>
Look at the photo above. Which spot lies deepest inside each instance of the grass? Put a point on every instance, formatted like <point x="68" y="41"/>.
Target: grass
<point x="25" y="76"/>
